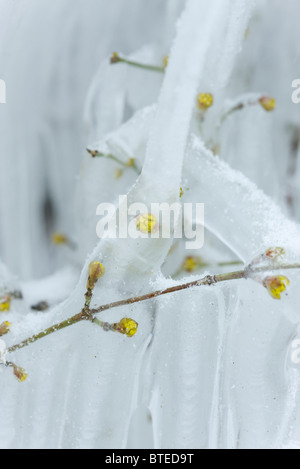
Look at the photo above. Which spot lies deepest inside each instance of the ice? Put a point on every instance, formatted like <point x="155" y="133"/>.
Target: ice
<point x="210" y="366"/>
<point x="2" y="352"/>
<point x="261" y="221"/>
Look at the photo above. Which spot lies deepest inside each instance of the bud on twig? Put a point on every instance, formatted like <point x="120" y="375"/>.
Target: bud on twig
<point x="114" y="58"/>
<point x="268" y="103"/>
<point x="126" y="326"/>
<point x="5" y="303"/>
<point x="19" y="373"/>
<point x="96" y="270"/>
<point x="4" y="328"/>
<point x="205" y="101"/>
<point x="59" y="238"/>
<point x="147" y="223"/>
<point x="270" y="256"/>
<point x="276" y="285"/>
<point x="274" y="253"/>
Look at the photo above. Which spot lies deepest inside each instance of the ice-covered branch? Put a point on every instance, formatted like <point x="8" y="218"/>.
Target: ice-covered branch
<point x="275" y="284"/>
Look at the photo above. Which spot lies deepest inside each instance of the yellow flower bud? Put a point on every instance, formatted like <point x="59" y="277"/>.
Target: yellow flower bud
<point x="181" y="192"/>
<point x="205" y="101"/>
<point x="4" y="328"/>
<point x="96" y="270"/>
<point x="19" y="373"/>
<point x="268" y="103"/>
<point x="130" y="162"/>
<point x="118" y="173"/>
<point x="147" y="223"/>
<point x="59" y="238"/>
<point x="114" y="58"/>
<point x="191" y="263"/>
<point x="5" y="303"/>
<point x="276" y="285"/>
<point x="126" y="326"/>
<point x="165" y="61"/>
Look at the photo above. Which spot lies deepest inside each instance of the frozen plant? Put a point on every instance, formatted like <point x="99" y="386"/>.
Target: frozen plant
<point x="202" y="353"/>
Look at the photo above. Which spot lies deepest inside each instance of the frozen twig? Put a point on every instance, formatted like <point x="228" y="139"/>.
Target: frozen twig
<point x="129" y="164"/>
<point x="115" y="58"/>
<point x="88" y="313"/>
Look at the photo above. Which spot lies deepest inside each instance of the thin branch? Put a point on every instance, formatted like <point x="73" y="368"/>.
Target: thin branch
<point x="152" y="68"/>
<point x="56" y="327"/>
<point x="199" y="264"/>
<point x="129" y="164"/>
<point x="87" y="314"/>
<point x="207" y="280"/>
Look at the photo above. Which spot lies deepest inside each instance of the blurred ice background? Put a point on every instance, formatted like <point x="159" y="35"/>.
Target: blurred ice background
<point x="49" y="55"/>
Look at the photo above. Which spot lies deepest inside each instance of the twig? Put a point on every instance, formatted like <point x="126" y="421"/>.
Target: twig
<point x="87" y="314"/>
<point x="129" y="164"/>
<point x="153" y="68"/>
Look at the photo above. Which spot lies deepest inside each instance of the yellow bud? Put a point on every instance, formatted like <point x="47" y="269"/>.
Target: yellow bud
<point x="114" y="58"/>
<point x="118" y="173"/>
<point x="205" y="101"/>
<point x="181" y="192"/>
<point x="276" y="285"/>
<point x="96" y="270"/>
<point x="147" y="223"/>
<point x="59" y="238"/>
<point x="165" y="61"/>
<point x="130" y="162"/>
<point x="191" y="263"/>
<point x="5" y="303"/>
<point x="126" y="326"/>
<point x="4" y="328"/>
<point x="19" y="373"/>
<point x="268" y="103"/>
